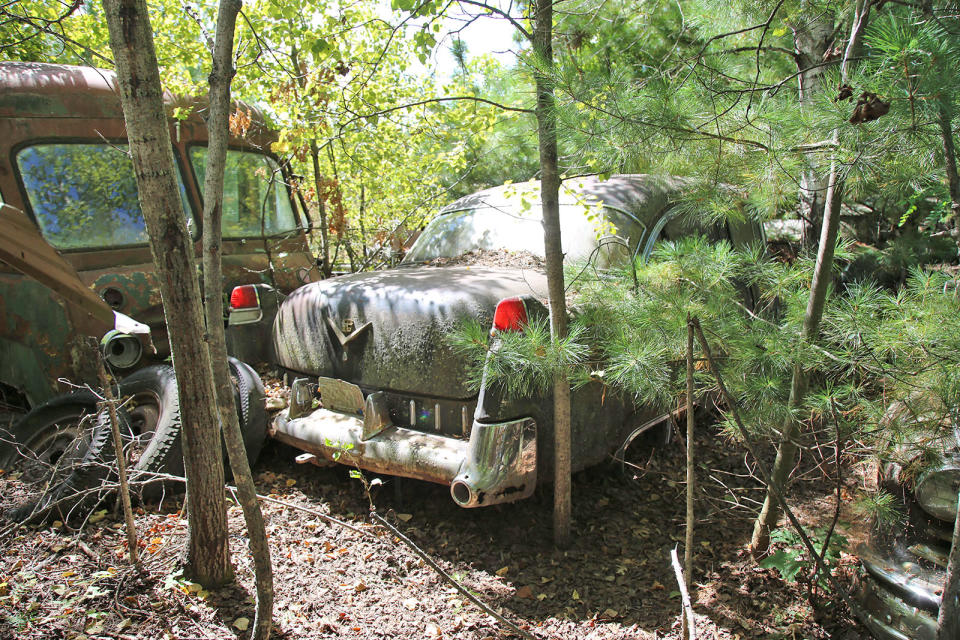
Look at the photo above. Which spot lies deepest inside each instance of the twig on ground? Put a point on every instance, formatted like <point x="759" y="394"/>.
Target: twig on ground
<point x="448" y="578"/>
<point x="690" y="624"/>
<point x="87" y="551"/>
<point x="319" y="514"/>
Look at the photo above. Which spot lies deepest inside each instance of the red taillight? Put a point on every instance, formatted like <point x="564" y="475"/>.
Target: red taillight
<point x="511" y="315"/>
<point x="244" y="297"/>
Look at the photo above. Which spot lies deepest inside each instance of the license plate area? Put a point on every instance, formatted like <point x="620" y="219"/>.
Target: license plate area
<point x="339" y="395"/>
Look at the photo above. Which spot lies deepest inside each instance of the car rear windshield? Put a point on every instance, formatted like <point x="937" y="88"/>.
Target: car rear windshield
<point x="255" y="198"/>
<point x="490" y="228"/>
<point x="84" y="195"/>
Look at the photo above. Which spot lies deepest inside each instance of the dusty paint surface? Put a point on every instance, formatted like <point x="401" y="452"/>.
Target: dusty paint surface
<point x="35" y="335"/>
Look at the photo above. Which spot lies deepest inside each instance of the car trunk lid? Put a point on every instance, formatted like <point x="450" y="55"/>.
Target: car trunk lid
<point x="387" y="330"/>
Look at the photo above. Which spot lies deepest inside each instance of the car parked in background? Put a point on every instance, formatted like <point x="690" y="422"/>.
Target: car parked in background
<point x="904" y="567"/>
<point x="71" y="222"/>
<point x="395" y="395"/>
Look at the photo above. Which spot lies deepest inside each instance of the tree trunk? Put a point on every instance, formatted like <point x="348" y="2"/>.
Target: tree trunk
<point x="131" y="40"/>
<point x="945" y="120"/>
<point x="787" y="447"/>
<point x="550" y="198"/>
<point x="691" y="476"/>
<point x="811" y="38"/>
<point x="218" y="125"/>
<point x="326" y="268"/>
<point x="301" y="77"/>
<point x="948" y="621"/>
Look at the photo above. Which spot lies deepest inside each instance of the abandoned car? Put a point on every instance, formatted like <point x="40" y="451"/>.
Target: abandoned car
<point x="74" y="246"/>
<point x="394" y="395"/>
<point x="904" y="567"/>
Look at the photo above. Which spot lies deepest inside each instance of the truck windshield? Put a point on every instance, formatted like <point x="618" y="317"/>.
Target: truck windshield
<point x="85" y="195"/>
<point x="255" y="198"/>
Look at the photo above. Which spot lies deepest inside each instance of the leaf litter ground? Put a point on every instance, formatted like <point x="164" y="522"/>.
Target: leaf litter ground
<point x="614" y="581"/>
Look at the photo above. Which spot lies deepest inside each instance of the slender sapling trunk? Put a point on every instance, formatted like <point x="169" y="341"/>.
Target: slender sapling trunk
<point x="221" y="75"/>
<point x="550" y="198"/>
<point x="148" y="134"/>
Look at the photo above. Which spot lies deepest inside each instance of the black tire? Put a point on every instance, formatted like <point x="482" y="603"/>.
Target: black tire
<point x="251" y="408"/>
<point x="64" y="445"/>
<point x="155" y="416"/>
<point x="45" y="433"/>
<point x="150" y="400"/>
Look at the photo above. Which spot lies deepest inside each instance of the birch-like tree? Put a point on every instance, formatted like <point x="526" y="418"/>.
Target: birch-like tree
<point x="141" y="94"/>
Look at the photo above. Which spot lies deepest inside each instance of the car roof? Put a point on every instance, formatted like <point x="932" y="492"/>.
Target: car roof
<point x="41" y="90"/>
<point x="641" y="195"/>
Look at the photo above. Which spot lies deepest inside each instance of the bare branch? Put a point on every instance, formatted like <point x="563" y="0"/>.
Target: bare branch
<point x="516" y="24"/>
<point x="409" y="105"/>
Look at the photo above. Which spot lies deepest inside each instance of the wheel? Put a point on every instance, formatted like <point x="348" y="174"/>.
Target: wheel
<point x="251" y="408"/>
<point x="154" y="410"/>
<point x="149" y="424"/>
<point x="49" y="433"/>
<point x="150" y="398"/>
<point x="63" y="448"/>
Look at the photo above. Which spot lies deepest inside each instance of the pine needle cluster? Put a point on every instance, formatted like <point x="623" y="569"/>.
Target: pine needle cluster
<point x="877" y="348"/>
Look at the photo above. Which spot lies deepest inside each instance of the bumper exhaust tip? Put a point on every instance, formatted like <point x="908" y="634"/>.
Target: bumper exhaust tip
<point x="461" y="493"/>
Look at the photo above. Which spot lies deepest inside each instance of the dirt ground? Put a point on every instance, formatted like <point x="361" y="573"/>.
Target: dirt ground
<point x="615" y="581"/>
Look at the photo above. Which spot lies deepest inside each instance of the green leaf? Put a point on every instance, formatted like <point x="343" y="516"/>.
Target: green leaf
<point x="784" y="562"/>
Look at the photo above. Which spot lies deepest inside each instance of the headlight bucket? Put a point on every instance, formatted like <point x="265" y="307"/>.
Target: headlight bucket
<point x="937" y="490"/>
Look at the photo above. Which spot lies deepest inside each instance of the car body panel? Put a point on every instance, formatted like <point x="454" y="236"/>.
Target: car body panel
<point x="409" y="310"/>
<point x="903" y="568"/>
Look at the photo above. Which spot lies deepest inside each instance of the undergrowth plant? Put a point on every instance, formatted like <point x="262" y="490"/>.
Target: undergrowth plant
<point x="877" y="347"/>
<point x="792" y="560"/>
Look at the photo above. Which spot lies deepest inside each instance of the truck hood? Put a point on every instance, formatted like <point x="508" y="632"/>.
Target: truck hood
<point x="387" y="329"/>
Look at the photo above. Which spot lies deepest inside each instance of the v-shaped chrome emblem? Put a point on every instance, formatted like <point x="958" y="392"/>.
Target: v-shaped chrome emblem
<point x="347" y="339"/>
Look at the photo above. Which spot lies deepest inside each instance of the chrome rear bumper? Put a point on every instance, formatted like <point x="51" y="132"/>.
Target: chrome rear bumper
<point x="497" y="464"/>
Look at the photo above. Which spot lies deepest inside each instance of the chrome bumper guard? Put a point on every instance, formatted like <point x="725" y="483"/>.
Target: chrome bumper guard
<point x="888" y="617"/>
<point x="899" y="598"/>
<point x="497" y="464"/>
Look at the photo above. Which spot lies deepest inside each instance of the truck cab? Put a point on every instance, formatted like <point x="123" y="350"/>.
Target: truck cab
<point x="75" y="242"/>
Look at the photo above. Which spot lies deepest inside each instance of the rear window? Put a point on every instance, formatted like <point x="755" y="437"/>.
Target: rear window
<point x="255" y="198"/>
<point x="514" y="229"/>
<point x="85" y="195"/>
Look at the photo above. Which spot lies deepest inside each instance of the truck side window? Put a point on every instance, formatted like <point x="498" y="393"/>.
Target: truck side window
<point x="255" y="199"/>
<point x="84" y="196"/>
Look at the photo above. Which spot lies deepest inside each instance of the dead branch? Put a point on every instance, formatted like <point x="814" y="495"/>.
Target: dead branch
<point x="314" y="512"/>
<point x="690" y="624"/>
<point x="111" y="404"/>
